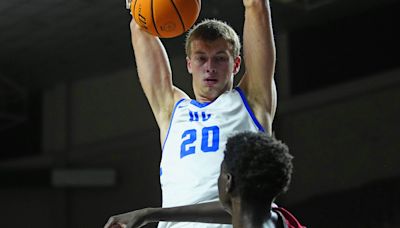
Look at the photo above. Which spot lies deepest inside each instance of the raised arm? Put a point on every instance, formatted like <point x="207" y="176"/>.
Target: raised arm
<point x="155" y="75"/>
<point x="259" y="58"/>
<point x="211" y="212"/>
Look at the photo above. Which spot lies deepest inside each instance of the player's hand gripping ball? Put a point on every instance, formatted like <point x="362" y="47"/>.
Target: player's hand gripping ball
<point x="165" y="18"/>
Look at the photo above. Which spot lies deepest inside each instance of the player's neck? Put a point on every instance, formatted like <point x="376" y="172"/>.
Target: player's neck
<point x="207" y="98"/>
<point x="203" y="99"/>
<point x="245" y="215"/>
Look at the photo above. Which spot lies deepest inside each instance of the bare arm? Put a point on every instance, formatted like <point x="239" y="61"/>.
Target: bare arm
<point x="155" y="75"/>
<point x="211" y="212"/>
<point x="259" y="57"/>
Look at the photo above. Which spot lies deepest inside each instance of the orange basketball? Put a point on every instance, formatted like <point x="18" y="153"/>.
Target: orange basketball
<point x="165" y="18"/>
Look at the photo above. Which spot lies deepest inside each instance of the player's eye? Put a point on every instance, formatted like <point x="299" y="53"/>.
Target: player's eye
<point x="200" y="58"/>
<point x="221" y="58"/>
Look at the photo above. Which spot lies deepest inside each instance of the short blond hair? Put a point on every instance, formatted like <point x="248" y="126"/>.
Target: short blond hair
<point x="211" y="30"/>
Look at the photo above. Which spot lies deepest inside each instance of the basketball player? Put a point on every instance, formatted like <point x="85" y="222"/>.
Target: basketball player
<point x="193" y="132"/>
<point x="255" y="170"/>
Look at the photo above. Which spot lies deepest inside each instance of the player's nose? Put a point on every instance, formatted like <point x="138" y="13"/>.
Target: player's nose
<point x="210" y="66"/>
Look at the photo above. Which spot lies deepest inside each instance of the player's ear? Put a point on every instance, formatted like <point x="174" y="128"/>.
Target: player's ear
<point x="236" y="64"/>
<point x="229" y="183"/>
<point x="189" y="64"/>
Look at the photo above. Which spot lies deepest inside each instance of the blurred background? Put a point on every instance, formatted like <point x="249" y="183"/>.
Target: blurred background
<point x="78" y="141"/>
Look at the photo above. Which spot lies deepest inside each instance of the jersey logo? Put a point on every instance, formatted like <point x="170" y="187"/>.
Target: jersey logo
<point x="194" y="116"/>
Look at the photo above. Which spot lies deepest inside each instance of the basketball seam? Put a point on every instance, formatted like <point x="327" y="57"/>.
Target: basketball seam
<point x="134" y="8"/>
<point x="179" y="15"/>
<point x="152" y="16"/>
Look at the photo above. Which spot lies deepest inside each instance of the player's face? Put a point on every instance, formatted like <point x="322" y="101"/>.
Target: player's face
<point x="224" y="196"/>
<point x="213" y="67"/>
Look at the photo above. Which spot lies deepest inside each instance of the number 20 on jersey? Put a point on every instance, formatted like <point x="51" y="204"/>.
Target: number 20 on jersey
<point x="208" y="136"/>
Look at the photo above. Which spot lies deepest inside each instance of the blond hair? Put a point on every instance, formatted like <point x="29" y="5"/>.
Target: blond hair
<point x="211" y="30"/>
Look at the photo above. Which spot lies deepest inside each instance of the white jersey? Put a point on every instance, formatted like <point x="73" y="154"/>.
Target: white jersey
<point x="194" y="146"/>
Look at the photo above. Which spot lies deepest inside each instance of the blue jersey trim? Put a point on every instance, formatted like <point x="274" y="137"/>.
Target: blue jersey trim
<point x="246" y="104"/>
<point x="198" y="104"/>
<point x="170" y="122"/>
<point x="169" y="127"/>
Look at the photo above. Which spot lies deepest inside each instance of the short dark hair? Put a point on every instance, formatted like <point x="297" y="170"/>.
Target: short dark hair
<point x="261" y="166"/>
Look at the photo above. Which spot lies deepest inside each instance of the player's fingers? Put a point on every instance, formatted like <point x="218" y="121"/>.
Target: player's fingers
<point x="110" y="223"/>
<point x="118" y="225"/>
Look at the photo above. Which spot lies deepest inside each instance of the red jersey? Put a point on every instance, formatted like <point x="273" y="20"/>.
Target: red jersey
<point x="288" y="219"/>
